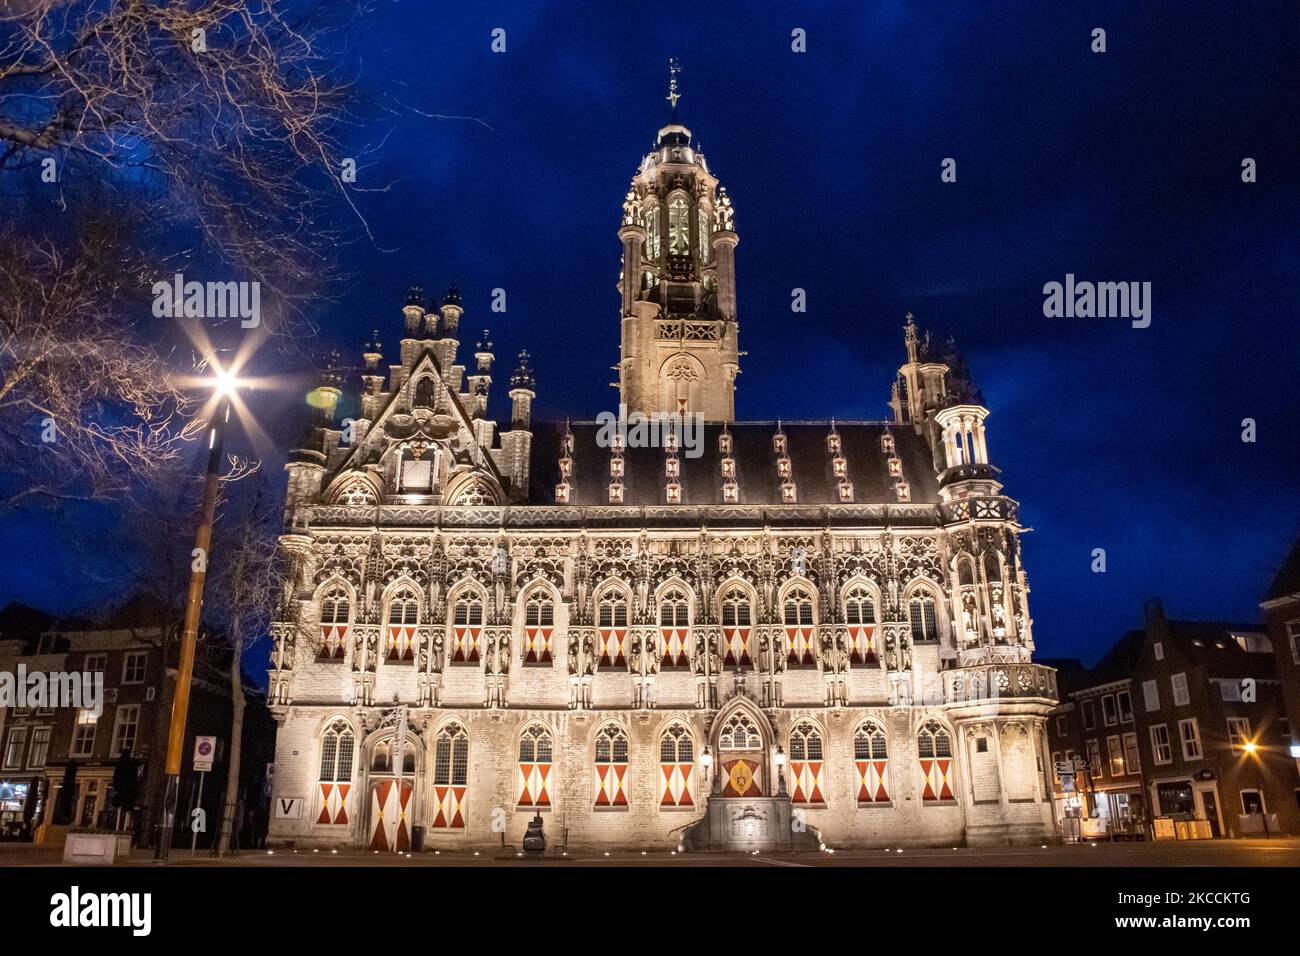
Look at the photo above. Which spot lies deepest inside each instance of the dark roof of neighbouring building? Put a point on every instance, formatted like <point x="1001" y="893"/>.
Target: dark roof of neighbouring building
<point x="1287" y="580"/>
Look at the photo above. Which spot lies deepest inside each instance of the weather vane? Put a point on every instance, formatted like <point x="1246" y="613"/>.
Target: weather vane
<point x="673" y="69"/>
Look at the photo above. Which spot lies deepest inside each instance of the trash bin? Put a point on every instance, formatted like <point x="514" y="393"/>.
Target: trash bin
<point x="417" y="839"/>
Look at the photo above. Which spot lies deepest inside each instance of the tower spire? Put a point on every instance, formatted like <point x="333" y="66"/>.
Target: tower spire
<point x="673" y="96"/>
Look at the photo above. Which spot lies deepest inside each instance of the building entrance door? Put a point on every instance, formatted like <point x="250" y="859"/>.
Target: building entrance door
<point x="742" y="757"/>
<point x="390" y="815"/>
<point x="1211" y="811"/>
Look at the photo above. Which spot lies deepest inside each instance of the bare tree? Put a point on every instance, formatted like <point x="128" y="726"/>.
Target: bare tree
<point x="243" y="584"/>
<point x="86" y="406"/>
<point x="138" y="137"/>
<point x="221" y="113"/>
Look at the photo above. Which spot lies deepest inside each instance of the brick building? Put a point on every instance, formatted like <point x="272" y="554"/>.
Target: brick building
<point x="48" y="749"/>
<point x="1281" y="607"/>
<point x="806" y="628"/>
<point x="1196" y="731"/>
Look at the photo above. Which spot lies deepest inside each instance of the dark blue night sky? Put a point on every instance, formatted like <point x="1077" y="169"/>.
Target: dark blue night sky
<point x="1120" y="166"/>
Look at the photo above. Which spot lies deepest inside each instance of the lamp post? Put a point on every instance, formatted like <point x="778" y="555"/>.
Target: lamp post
<point x="1252" y="751"/>
<point x="225" y="385"/>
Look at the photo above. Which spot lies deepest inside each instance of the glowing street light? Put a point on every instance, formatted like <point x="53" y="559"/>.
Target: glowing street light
<point x="224" y="384"/>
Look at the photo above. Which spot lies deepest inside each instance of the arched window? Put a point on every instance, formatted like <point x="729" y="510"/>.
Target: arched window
<point x="702" y="220"/>
<point x="611" y="627"/>
<point x="652" y="231"/>
<point x="403" y="616"/>
<point x="739" y="733"/>
<point x="923" y="615"/>
<point x="539" y="625"/>
<point x="800" y="643"/>
<point x="337" y="745"/>
<point x="737" y="618"/>
<point x="807" y="764"/>
<point x="381" y="758"/>
<point x="934" y="749"/>
<point x="533" y="778"/>
<point x="871" y="764"/>
<point x="674" y="628"/>
<point x="611" y="767"/>
<point x="450" y="777"/>
<point x="676" y="767"/>
<point x="466" y="627"/>
<point x="679" y="226"/>
<point x="335" y="611"/>
<point x="860" y="616"/>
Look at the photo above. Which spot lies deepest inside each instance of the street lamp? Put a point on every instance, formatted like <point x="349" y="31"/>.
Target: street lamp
<point x="224" y="384"/>
<point x="1253" y="752"/>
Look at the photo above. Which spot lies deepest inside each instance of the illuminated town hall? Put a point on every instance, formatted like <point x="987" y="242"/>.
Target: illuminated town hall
<point x="786" y="635"/>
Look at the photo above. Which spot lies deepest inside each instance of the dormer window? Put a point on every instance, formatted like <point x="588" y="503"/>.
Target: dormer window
<point x="616" y="467"/>
<point x="887" y="443"/>
<point x="730" y="491"/>
<point x="724" y="443"/>
<point x="728" y="468"/>
<point x="670" y="441"/>
<point x="833" y="444"/>
<point x="778" y="443"/>
<point x="566" y="467"/>
<point x="783" y="467"/>
<point x="672" y="467"/>
<point x="674" y="491"/>
<point x="616" y="492"/>
<point x="617" y="441"/>
<point x="787" y="492"/>
<point x="567" y="443"/>
<point x="903" y="490"/>
<point x="895" y="467"/>
<point x="839" y="466"/>
<point x="846" y="491"/>
<point x="562" y="493"/>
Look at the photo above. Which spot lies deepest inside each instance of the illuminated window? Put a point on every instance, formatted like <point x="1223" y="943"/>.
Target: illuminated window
<point x="679" y="226"/>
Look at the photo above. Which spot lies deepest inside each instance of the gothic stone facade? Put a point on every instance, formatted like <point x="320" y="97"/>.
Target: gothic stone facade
<point x="819" y="625"/>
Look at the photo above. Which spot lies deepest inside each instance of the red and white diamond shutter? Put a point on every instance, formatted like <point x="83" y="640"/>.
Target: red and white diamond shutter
<point x="539" y="624"/>
<point x="674" y="628"/>
<point x="611" y="629"/>
<point x="934" y="749"/>
<point x="450" y="776"/>
<point x="676" y="768"/>
<point x="862" y="643"/>
<point x="807" y="765"/>
<point x="465" y="644"/>
<point x="736" y="642"/>
<point x="466" y="626"/>
<point x="736" y="623"/>
<point x="860" y="616"/>
<point x="800" y="650"/>
<point x="337" y="745"/>
<point x="870" y="765"/>
<point x="611" y="768"/>
<point x="533" y="776"/>
<point x="403" y="616"/>
<point x="333" y="625"/>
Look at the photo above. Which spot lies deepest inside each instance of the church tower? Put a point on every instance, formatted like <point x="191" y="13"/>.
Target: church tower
<point x="678" y="285"/>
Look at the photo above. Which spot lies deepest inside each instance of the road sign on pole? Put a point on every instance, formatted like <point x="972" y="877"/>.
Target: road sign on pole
<point x="205" y="748"/>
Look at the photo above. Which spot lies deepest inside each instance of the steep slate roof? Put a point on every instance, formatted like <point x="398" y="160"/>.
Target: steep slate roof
<point x="1287" y="580"/>
<point x="1210" y="644"/>
<point x="701" y="479"/>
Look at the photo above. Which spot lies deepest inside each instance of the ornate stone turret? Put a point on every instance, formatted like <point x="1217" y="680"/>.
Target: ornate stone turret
<point x="679" y="349"/>
<point x="522" y="385"/>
